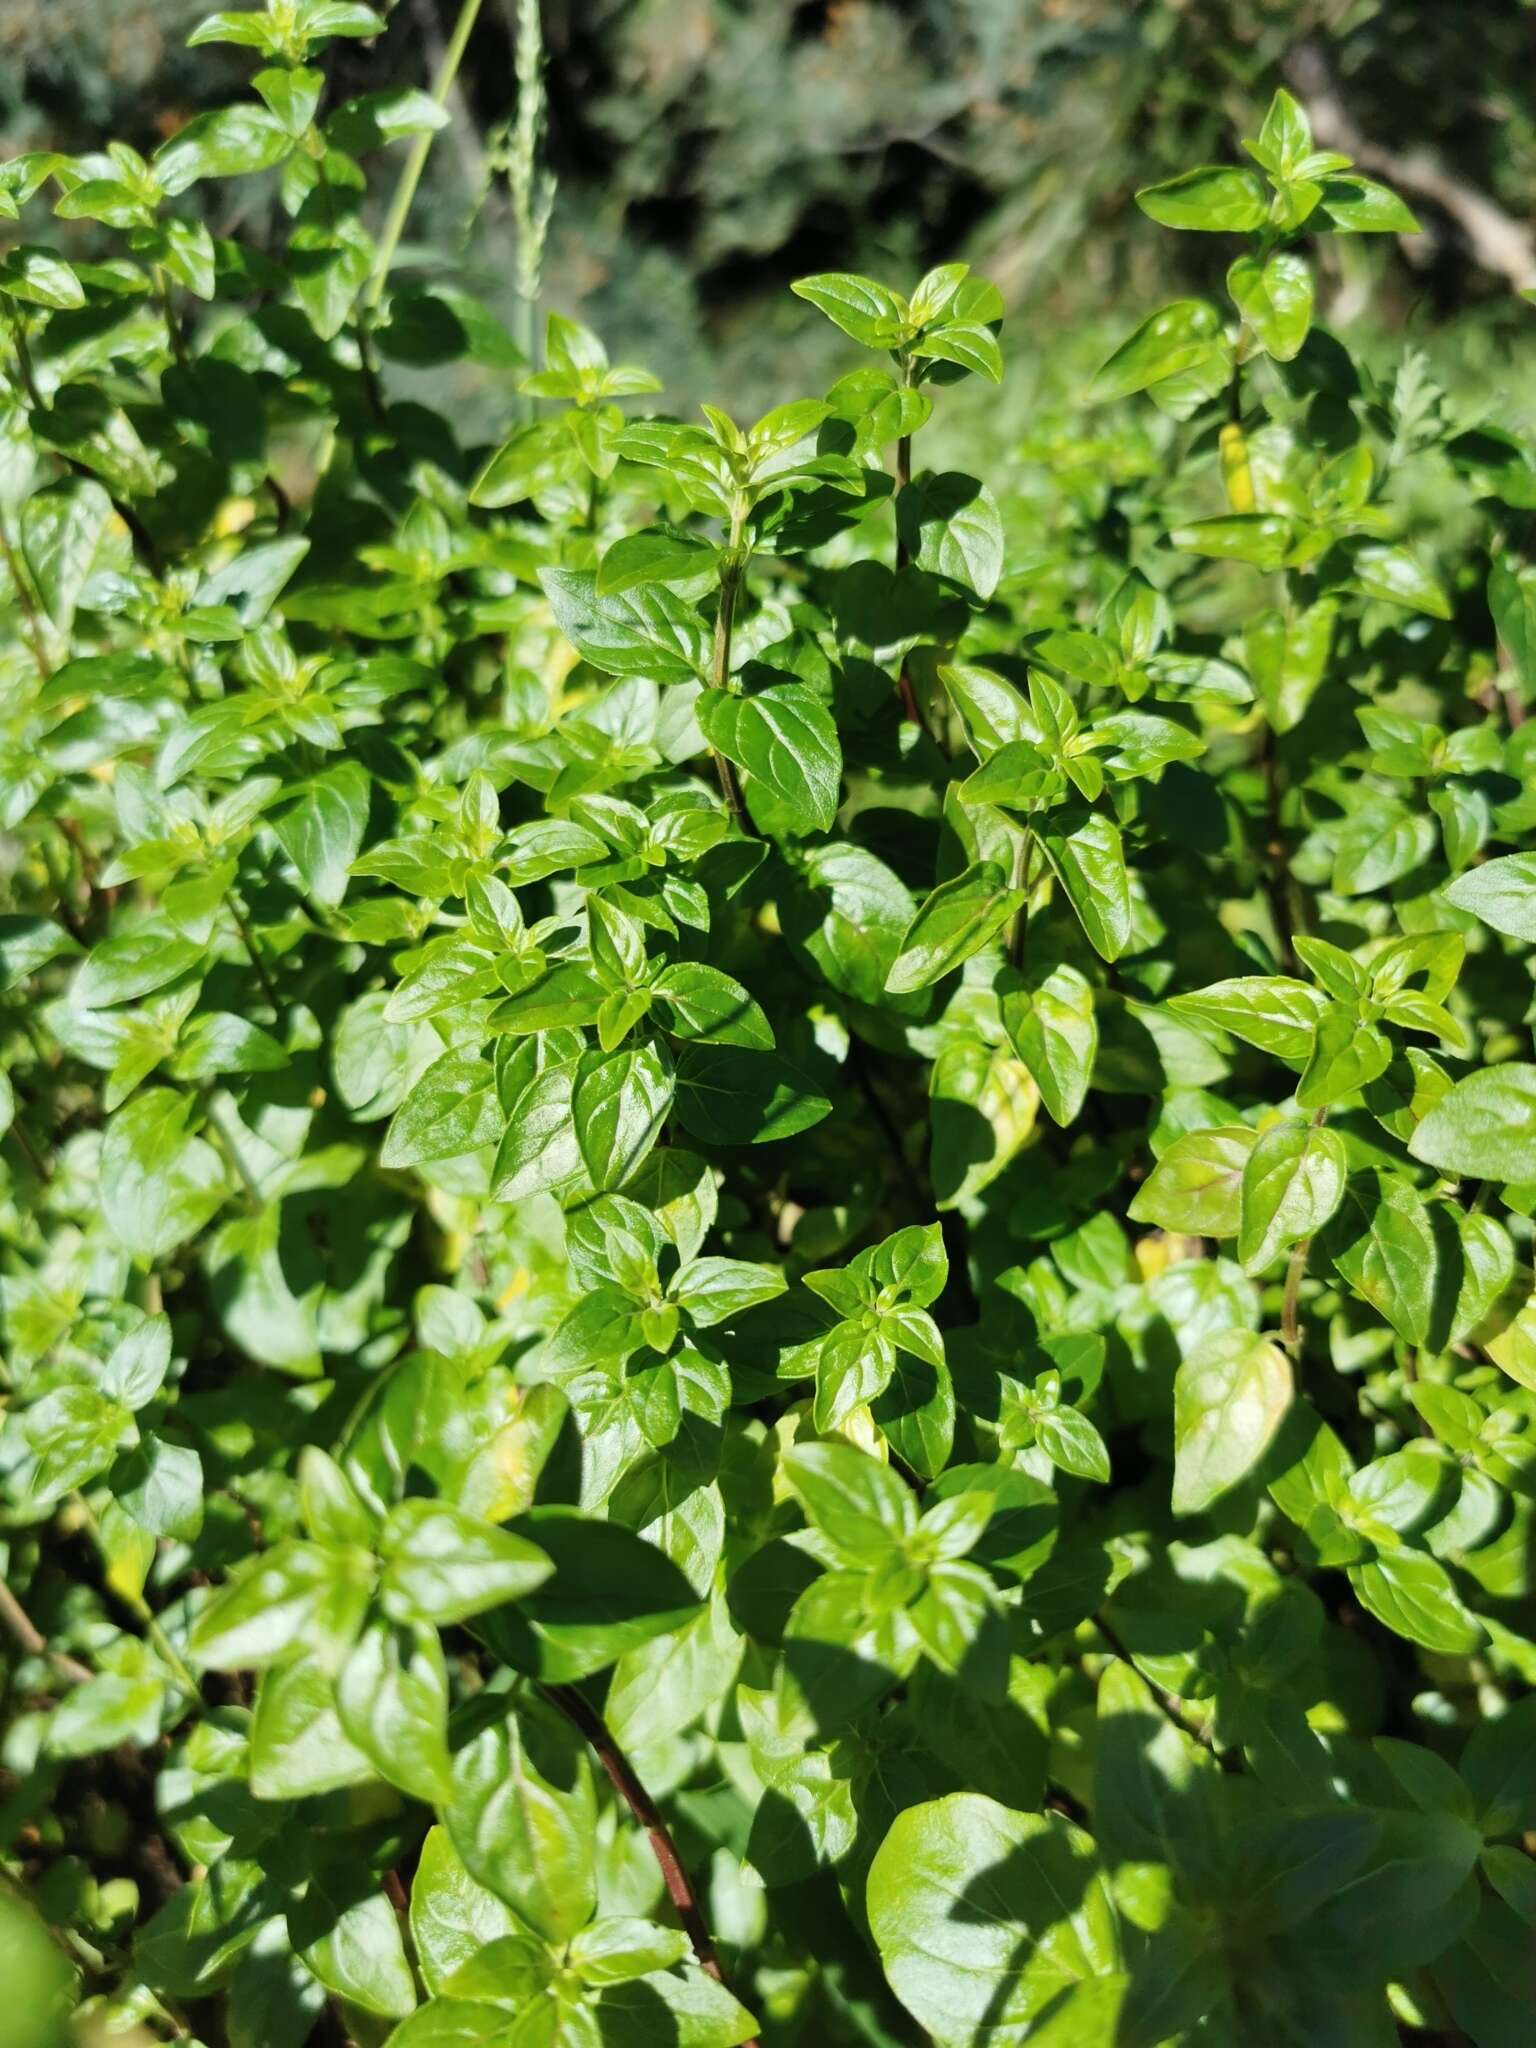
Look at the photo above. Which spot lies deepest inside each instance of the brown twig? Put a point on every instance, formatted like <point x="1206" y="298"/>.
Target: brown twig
<point x="1295" y="1272"/>
<point x="1169" y="1704"/>
<point x="1498" y="241"/>
<point x="680" y="1890"/>
<point x="31" y="1639"/>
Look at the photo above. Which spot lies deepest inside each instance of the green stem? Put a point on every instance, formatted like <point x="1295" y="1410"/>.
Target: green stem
<point x="269" y="989"/>
<point x="24" y="360"/>
<point x="140" y="1608"/>
<point x="1295" y="1273"/>
<point x="1018" y="930"/>
<point x="24" y="599"/>
<point x="415" y="162"/>
<point x="168" y="309"/>
<point x="911" y="710"/>
<point x="231" y="1152"/>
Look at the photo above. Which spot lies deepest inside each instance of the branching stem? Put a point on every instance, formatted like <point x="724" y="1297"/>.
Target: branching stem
<point x="621" y="1775"/>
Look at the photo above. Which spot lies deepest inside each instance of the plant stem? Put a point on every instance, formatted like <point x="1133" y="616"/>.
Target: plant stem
<point x="172" y="324"/>
<point x="41" y="1167"/>
<point x="25" y="600"/>
<point x="1168" y="1703"/>
<point x="912" y="1186"/>
<point x="32" y="1640"/>
<point x="415" y="162"/>
<point x="231" y="1152"/>
<point x="1295" y="1273"/>
<point x="733" y="568"/>
<point x="911" y="710"/>
<point x="532" y="188"/>
<point x="140" y="1608"/>
<point x="1018" y="929"/>
<point x="24" y="362"/>
<point x="621" y="1774"/>
<point x="1276" y="870"/>
<point x="262" y="974"/>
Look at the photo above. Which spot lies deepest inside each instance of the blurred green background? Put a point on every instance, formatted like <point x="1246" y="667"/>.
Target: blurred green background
<point x="708" y="151"/>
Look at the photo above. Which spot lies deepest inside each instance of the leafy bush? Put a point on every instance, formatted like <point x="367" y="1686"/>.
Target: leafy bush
<point x="767" y="1221"/>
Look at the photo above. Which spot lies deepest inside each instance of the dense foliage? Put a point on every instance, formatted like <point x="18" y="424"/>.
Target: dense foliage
<point x="766" y="1222"/>
<point x="710" y="151"/>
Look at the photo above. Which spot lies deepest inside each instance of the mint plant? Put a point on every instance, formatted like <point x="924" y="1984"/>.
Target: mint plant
<point x="766" y="1217"/>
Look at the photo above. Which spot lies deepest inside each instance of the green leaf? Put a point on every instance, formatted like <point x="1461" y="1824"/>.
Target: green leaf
<point x="322" y="833"/>
<point x="861" y="307"/>
<point x="1292" y="1183"/>
<point x="611" y="1592"/>
<point x="1215" y="199"/>
<point x="104" y="1712"/>
<point x="648" y="632"/>
<point x="134" y="964"/>
<point x="1499" y="1767"/>
<point x="664" y="1686"/>
<point x="968" y="344"/>
<point x="955" y="921"/>
<point x="298" y="1749"/>
<point x="1485" y="1126"/>
<point x="522" y="1817"/>
<point x="159" y="1183"/>
<point x="785" y="739"/>
<point x="226" y="143"/>
<point x="452" y="1917"/>
<point x="443" y="1565"/>
<point x="1230" y="1395"/>
<point x="264" y="1613"/>
<point x="74" y="1433"/>
<point x="708" y="1007"/>
<point x="1197" y="1185"/>
<point x="1394" y="576"/>
<point x="62" y="528"/>
<point x="1512" y="601"/>
<point x="619" y="1103"/>
<point x="1346" y="1056"/>
<point x="1362" y="207"/>
<point x="349" y="1936"/>
<point x="453" y="1109"/>
<point x="1056" y="1034"/>
<point x="950" y="524"/>
<point x="1267" y="1010"/>
<point x="965" y="1904"/>
<point x="658" y="554"/>
<point x="729" y="1095"/>
<point x="1389" y="1253"/>
<point x="857" y="1503"/>
<point x="39" y="277"/>
<point x="1275" y="299"/>
<point x="1501" y="892"/>
<point x="392" y="1701"/>
<point x="1180" y="337"/>
<point x="1413" y="1595"/>
<point x="1084" y="849"/>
